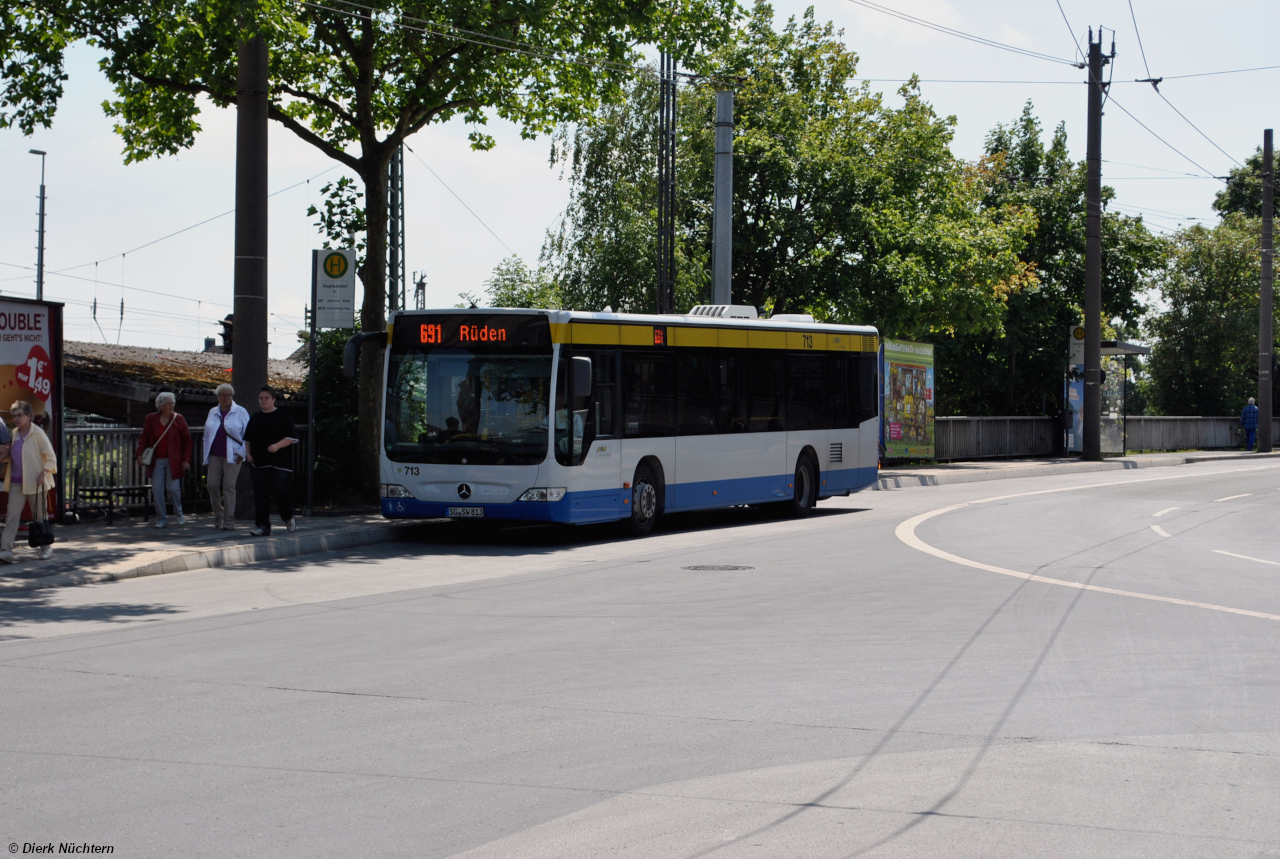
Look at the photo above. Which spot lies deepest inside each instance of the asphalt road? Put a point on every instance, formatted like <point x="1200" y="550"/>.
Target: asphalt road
<point x="1075" y="666"/>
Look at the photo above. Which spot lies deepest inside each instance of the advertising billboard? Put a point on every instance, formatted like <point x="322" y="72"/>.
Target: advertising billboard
<point x="908" y="400"/>
<point x="31" y="368"/>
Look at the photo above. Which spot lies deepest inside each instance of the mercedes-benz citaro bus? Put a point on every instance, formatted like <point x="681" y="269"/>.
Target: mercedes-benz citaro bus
<point x="565" y="416"/>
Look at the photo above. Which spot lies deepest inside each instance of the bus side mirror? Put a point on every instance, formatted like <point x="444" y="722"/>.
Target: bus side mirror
<point x="580" y="377"/>
<point x="351" y="352"/>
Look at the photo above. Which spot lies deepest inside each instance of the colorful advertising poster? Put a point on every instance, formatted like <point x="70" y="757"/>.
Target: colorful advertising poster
<point x="31" y="368"/>
<point x="908" y="400"/>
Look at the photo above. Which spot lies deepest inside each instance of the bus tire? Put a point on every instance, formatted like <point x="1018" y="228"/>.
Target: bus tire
<point x="646" y="500"/>
<point x="806" y="488"/>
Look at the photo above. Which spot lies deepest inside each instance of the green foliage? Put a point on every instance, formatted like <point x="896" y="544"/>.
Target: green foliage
<point x="1205" y="358"/>
<point x="1243" y="194"/>
<point x="1018" y="368"/>
<point x="844" y="206"/>
<point x="514" y="284"/>
<point x="342" y="220"/>
<point x="337" y="419"/>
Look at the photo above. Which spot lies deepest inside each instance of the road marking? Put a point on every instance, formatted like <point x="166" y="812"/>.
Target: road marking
<point x="1247" y="558"/>
<point x="1162" y="532"/>
<point x="1233" y="497"/>
<point x="1164" y="511"/>
<point x="906" y="532"/>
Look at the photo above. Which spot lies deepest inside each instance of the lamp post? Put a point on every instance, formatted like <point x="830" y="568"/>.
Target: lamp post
<point x="40" y="231"/>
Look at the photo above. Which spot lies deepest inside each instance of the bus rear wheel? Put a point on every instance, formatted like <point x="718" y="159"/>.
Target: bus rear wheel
<point x="805" y="484"/>
<point x="646" y="501"/>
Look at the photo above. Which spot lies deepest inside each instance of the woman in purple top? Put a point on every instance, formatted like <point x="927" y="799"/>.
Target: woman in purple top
<point x="224" y="454"/>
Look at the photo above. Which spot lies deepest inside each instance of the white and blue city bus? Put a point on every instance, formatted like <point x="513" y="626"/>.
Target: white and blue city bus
<point x="565" y="416"/>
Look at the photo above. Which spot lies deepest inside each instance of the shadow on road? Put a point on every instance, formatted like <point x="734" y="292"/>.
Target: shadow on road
<point x="41" y="606"/>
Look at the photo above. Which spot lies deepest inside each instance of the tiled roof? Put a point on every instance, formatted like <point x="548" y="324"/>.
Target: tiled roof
<point x="171" y="370"/>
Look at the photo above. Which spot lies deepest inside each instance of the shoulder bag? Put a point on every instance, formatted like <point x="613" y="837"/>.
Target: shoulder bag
<point x="40" y="531"/>
<point x="150" y="453"/>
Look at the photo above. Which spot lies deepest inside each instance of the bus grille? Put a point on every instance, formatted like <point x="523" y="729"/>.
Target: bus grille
<point x="837" y="452"/>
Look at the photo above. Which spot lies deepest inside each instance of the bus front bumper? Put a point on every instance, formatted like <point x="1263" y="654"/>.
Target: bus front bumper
<point x="576" y="508"/>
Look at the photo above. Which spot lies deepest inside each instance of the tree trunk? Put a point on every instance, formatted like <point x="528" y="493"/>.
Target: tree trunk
<point x="373" y="318"/>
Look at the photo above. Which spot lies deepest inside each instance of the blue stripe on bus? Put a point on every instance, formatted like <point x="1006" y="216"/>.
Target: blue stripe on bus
<point x="582" y="508"/>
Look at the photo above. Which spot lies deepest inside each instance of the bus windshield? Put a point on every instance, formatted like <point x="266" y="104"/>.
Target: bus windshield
<point x="459" y="406"/>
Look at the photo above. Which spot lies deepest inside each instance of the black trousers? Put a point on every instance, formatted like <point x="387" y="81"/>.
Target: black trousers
<point x="268" y="482"/>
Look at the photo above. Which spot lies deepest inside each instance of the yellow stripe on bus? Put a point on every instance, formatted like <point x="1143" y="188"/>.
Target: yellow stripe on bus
<point x="701" y="336"/>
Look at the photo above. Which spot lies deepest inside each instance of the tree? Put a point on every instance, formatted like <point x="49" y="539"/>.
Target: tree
<point x="1205" y="358"/>
<point x="1017" y="369"/>
<point x="514" y="284"/>
<point x="1243" y="193"/>
<point x="352" y="79"/>
<point x="844" y="207"/>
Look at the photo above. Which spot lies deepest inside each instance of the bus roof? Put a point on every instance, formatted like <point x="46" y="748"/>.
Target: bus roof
<point x="656" y="319"/>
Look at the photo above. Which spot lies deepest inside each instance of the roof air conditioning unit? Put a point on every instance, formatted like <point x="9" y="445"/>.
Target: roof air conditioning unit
<point x="791" y="317"/>
<point x="725" y="311"/>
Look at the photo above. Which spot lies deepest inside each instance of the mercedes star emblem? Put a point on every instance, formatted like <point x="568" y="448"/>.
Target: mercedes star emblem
<point x="464" y="491"/>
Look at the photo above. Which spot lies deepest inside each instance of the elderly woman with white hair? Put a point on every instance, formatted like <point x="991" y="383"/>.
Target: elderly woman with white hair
<point x="224" y="454"/>
<point x="165" y="449"/>
<point x="28" y="478"/>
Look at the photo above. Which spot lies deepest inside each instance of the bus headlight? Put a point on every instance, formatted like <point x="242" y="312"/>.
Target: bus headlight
<point x="394" y="490"/>
<point x="554" y="493"/>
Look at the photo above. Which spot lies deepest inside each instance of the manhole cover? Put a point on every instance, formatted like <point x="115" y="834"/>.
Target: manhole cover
<point x="701" y="567"/>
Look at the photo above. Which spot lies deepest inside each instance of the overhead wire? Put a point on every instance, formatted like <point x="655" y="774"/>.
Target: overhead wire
<point x="1074" y="39"/>
<point x="951" y="31"/>
<point x="459" y="199"/>
<point x="193" y="226"/>
<point x="1155" y="85"/>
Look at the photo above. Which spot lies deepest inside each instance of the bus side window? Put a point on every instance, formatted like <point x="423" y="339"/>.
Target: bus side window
<point x="696" y="380"/>
<point x="840" y="389"/>
<point x="763" y="390"/>
<point x="807" y="407"/>
<point x="866" y="388"/>
<point x="647" y="395"/>
<point x="730" y="418"/>
<point x="604" y="391"/>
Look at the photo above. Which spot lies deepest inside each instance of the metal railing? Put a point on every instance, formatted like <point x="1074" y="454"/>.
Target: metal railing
<point x="986" y="438"/>
<point x="1183" y="433"/>
<point x="103" y="458"/>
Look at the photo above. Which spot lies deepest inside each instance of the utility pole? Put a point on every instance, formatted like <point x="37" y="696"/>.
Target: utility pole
<point x="666" y="184"/>
<point x="249" y="345"/>
<point x="395" y="231"/>
<point x="1266" y="337"/>
<point x="722" y="219"/>
<point x="1091" y="411"/>
<point x="40" y="231"/>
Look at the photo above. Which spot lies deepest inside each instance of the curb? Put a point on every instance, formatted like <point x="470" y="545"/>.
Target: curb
<point x="227" y="556"/>
<point x="906" y="480"/>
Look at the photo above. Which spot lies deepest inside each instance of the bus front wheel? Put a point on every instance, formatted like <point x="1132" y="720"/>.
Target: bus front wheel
<point x="805" y="484"/>
<point x="646" y="501"/>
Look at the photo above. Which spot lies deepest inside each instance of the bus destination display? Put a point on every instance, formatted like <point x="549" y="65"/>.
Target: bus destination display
<point x="472" y="331"/>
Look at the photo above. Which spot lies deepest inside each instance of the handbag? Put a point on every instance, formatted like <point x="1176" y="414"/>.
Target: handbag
<point x="150" y="453"/>
<point x="40" y="532"/>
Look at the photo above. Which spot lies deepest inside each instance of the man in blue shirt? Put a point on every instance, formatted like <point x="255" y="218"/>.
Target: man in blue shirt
<point x="1249" y="421"/>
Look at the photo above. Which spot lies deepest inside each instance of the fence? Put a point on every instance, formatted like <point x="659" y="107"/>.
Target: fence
<point x="984" y="438"/>
<point x="99" y="458"/>
<point x="1183" y="433"/>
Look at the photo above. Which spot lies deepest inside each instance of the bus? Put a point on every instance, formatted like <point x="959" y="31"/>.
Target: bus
<point x="576" y="417"/>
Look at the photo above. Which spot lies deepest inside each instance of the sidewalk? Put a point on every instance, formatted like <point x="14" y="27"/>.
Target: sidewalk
<point x="906" y="477"/>
<point x="85" y="554"/>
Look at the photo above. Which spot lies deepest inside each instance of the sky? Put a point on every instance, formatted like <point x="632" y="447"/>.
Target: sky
<point x="109" y="225"/>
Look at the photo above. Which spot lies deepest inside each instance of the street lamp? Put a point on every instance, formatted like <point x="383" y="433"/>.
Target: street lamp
<point x="40" y="231"/>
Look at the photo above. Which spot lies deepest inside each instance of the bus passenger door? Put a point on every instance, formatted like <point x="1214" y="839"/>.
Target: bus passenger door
<point x="596" y="484"/>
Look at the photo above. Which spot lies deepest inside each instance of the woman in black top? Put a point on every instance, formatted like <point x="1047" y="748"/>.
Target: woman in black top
<point x="269" y="433"/>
